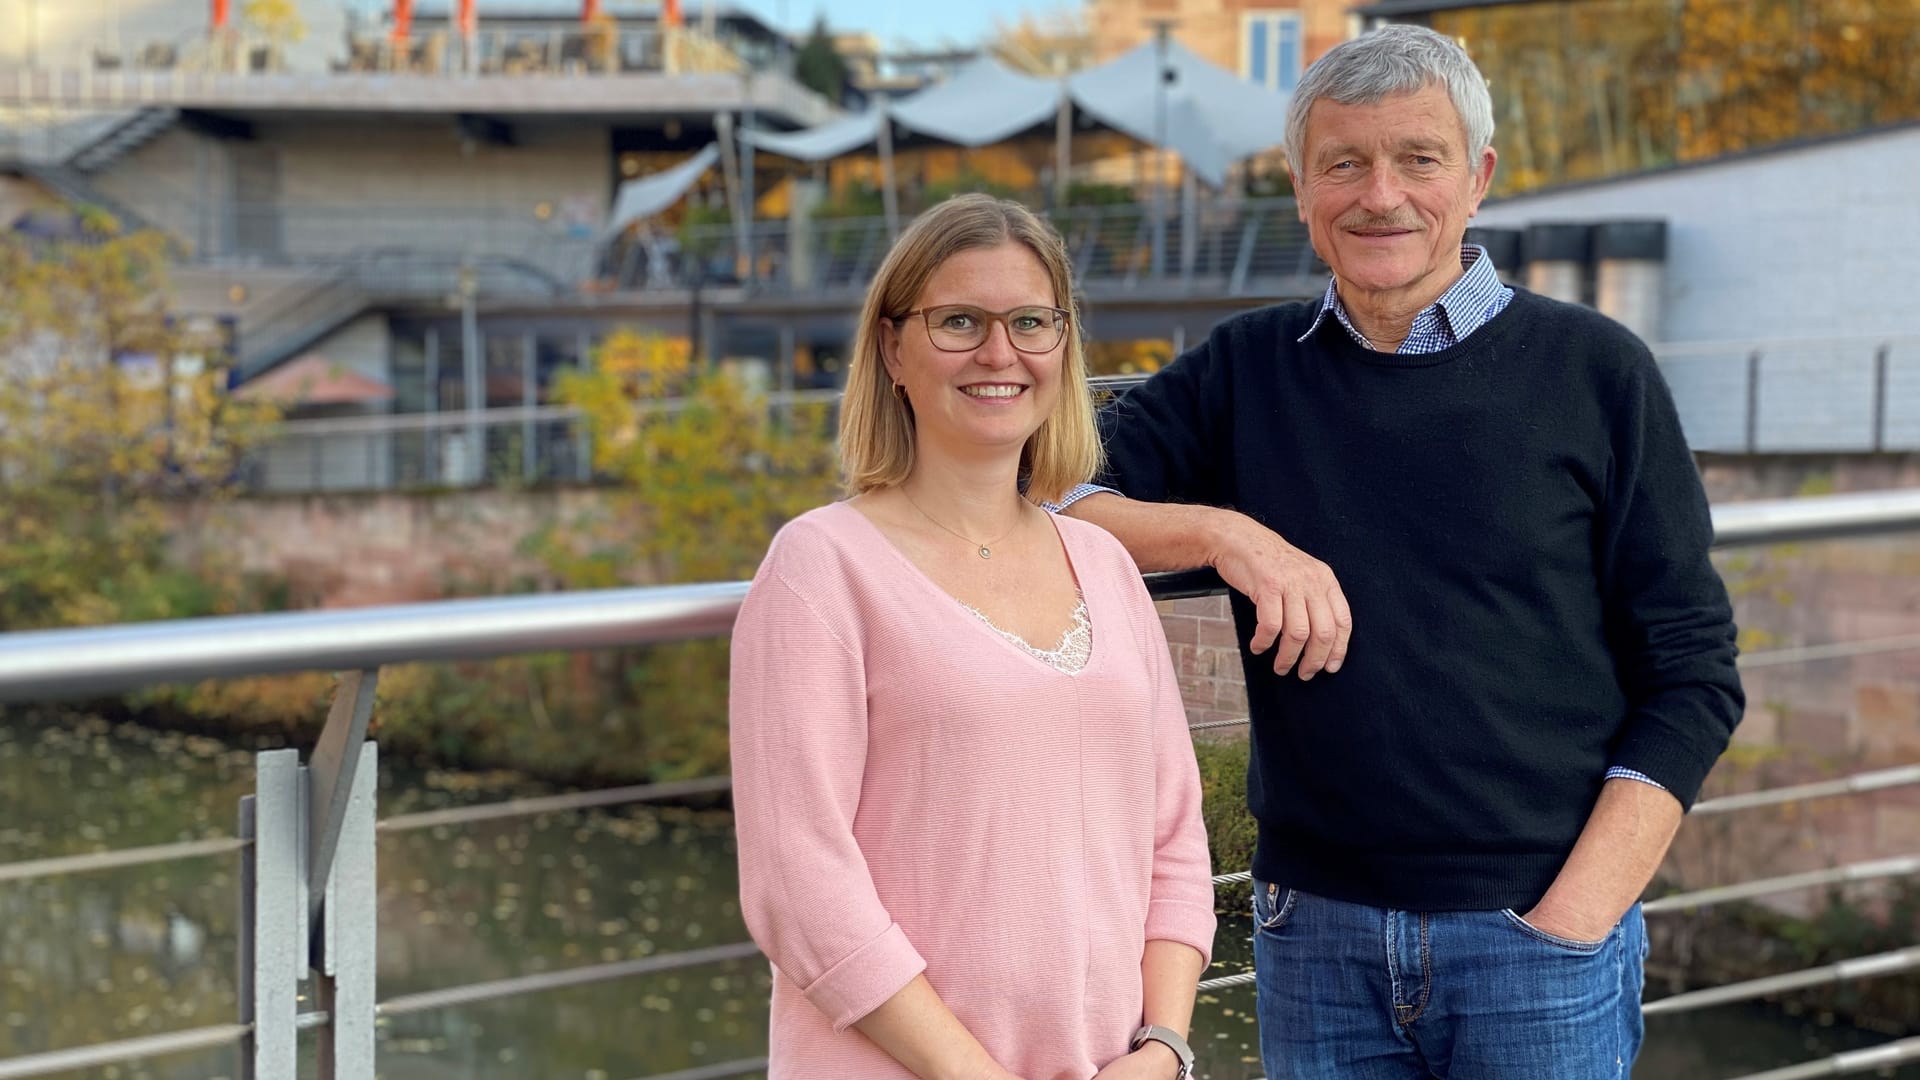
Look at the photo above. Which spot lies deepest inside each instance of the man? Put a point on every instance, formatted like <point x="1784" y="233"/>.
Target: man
<point x="1455" y="827"/>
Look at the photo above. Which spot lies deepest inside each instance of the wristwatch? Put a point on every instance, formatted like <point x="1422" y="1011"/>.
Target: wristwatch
<point x="1172" y="1041"/>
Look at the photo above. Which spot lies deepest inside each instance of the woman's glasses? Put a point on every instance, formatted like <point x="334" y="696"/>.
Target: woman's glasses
<point x="963" y="327"/>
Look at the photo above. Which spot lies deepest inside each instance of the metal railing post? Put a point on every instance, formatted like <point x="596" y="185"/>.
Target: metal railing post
<point x="344" y="982"/>
<point x="1243" y="258"/>
<point x="1753" y="402"/>
<point x="1880" y="396"/>
<point x="274" y="948"/>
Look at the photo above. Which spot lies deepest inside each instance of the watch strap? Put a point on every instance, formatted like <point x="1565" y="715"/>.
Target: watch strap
<point x="1172" y="1041"/>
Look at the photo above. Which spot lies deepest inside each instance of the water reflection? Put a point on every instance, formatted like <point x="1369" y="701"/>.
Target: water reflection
<point x="89" y="958"/>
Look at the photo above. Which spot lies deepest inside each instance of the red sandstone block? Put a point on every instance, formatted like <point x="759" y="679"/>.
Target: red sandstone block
<point x="1230" y="695"/>
<point x="1218" y="632"/>
<point x="1196" y="691"/>
<point x="1821" y="731"/>
<point x="1200" y="606"/>
<point x="1181" y="629"/>
<point x="1887" y="721"/>
<point x="1194" y="660"/>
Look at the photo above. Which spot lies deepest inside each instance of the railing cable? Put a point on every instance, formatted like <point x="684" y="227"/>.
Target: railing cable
<point x="714" y="1072"/>
<point x="114" y="860"/>
<point x="1836" y="650"/>
<point x="1846" y="785"/>
<point x="1861" y="871"/>
<point x="88" y="1057"/>
<point x="1865" y="967"/>
<point x="548" y="804"/>
<point x="558" y="980"/>
<point x="1870" y="1059"/>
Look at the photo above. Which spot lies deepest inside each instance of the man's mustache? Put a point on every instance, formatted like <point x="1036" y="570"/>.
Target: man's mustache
<point x="1371" y="221"/>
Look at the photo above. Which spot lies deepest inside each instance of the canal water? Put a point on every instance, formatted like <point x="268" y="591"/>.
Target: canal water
<point x="114" y="955"/>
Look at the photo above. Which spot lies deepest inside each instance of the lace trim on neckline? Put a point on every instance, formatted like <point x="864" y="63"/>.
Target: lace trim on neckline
<point x="1076" y="642"/>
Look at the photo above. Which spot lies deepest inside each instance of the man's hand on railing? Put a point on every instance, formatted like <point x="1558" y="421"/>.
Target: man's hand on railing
<point x="1302" y="613"/>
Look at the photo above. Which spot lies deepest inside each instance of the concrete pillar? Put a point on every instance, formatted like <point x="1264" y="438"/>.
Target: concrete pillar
<point x="1556" y="254"/>
<point x="1630" y="274"/>
<point x="802" y="243"/>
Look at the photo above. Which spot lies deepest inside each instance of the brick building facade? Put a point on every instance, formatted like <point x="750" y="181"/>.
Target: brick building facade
<point x="1267" y="41"/>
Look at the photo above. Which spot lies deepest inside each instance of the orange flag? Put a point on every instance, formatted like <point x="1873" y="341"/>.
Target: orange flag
<point x="670" y="12"/>
<point x="402" y="21"/>
<point x="469" y="21"/>
<point x="222" y="11"/>
<point x="589" y="10"/>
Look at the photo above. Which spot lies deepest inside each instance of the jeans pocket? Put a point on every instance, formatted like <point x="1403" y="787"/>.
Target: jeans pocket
<point x="1272" y="905"/>
<point x="1578" y="948"/>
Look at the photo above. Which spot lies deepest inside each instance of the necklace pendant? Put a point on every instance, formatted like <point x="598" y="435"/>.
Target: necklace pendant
<point x="986" y="552"/>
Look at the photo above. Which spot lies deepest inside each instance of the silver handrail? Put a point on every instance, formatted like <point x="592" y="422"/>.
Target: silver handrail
<point x="48" y="664"/>
<point x="1821" y="517"/>
<point x="102" y="660"/>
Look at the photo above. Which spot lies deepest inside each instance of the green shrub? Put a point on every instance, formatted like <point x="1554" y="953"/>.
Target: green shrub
<point x="1230" y="829"/>
<point x="1095" y="194"/>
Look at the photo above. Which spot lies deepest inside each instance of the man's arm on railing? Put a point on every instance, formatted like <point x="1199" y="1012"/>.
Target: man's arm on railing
<point x="1169" y="445"/>
<point x="1297" y="598"/>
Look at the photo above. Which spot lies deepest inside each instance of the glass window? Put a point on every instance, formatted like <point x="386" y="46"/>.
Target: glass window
<point x="1272" y="45"/>
<point x="554" y="354"/>
<point x="507" y="372"/>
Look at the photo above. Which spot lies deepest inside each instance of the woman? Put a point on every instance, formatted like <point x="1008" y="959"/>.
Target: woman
<point x="968" y="809"/>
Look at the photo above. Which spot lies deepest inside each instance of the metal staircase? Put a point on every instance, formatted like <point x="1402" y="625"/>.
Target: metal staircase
<point x="139" y="128"/>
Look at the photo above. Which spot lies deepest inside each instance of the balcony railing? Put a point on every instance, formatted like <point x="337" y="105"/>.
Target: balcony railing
<point x="1866" y="397"/>
<point x="1228" y="248"/>
<point x="307" y="833"/>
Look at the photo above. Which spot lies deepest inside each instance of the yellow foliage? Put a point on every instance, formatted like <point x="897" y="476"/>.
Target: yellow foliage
<point x="710" y="469"/>
<point x="1601" y="87"/>
<point x="278" y="21"/>
<point x="108" y="406"/>
<point x="1142" y="357"/>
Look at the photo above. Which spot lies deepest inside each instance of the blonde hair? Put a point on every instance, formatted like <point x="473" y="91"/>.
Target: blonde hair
<point x="876" y="424"/>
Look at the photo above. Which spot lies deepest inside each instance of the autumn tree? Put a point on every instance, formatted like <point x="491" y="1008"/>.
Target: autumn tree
<point x="819" y="67"/>
<point x="1044" y="43"/>
<point x="705" y="470"/>
<point x="110" y="405"/>
<point x="1585" y="89"/>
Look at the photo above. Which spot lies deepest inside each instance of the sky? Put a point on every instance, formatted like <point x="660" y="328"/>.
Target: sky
<point x="926" y="23"/>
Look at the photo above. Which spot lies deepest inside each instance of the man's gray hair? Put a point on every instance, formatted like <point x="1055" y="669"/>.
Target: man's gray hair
<point x="1395" y="59"/>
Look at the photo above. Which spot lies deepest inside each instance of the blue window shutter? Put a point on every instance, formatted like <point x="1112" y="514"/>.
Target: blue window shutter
<point x="1288" y="61"/>
<point x="1257" y="51"/>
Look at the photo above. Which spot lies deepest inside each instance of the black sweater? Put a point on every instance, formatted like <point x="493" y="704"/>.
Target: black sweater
<point x="1520" y="531"/>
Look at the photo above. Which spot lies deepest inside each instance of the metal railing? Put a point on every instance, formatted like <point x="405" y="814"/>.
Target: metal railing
<point x="307" y="833"/>
<point x="535" y="444"/>
<point x="1225" y="247"/>
<point x="515" y="446"/>
<point x="1838" y="394"/>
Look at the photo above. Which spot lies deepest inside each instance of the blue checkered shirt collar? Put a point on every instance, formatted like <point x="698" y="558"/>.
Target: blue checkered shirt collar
<point x="1466" y="306"/>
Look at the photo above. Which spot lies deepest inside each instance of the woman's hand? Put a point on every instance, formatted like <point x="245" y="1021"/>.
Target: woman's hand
<point x="1153" y="1061"/>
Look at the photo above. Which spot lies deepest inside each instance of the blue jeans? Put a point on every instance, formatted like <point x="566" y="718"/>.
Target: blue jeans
<point x="1367" y="993"/>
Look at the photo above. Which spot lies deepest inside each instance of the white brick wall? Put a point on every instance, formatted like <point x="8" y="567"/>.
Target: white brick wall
<point x="1812" y="242"/>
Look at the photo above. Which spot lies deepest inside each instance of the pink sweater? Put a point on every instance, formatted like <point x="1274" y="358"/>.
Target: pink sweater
<point x="913" y="793"/>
